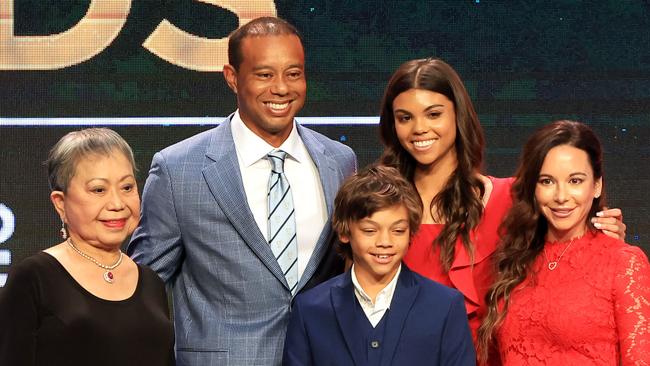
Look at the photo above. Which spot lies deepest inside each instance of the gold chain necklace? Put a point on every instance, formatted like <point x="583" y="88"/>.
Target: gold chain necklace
<point x="108" y="274"/>
<point x="552" y="265"/>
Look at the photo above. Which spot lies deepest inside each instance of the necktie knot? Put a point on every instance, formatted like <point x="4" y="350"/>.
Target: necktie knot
<point x="276" y="157"/>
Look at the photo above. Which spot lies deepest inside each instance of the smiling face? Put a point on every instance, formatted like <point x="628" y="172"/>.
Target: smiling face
<point x="425" y="124"/>
<point x="101" y="206"/>
<point x="270" y="84"/>
<point x="565" y="191"/>
<point x="378" y="244"/>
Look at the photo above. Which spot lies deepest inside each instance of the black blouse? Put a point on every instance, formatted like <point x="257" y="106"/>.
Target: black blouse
<point x="47" y="318"/>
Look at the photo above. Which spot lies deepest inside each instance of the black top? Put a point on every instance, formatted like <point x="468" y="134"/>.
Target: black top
<point x="47" y="318"/>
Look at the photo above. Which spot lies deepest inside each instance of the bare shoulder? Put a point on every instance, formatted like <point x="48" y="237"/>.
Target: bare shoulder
<point x="487" y="184"/>
<point x="58" y="251"/>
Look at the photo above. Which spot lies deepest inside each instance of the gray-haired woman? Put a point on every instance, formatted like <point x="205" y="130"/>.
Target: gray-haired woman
<point x="83" y="302"/>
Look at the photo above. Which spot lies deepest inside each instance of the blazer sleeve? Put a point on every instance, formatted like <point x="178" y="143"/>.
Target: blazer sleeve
<point x="350" y="163"/>
<point x="297" y="351"/>
<point x="19" y="318"/>
<point x="157" y="242"/>
<point x="457" y="346"/>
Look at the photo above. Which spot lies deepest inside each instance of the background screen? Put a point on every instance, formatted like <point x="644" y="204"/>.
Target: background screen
<point x="150" y="69"/>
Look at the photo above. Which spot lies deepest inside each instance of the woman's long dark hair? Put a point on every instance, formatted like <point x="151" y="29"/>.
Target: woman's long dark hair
<point x="524" y="228"/>
<point x="458" y="203"/>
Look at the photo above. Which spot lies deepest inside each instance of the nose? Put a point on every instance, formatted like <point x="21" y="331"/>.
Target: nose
<point x="420" y="126"/>
<point x="560" y="193"/>
<point x="279" y="86"/>
<point x="384" y="240"/>
<point x="116" y="202"/>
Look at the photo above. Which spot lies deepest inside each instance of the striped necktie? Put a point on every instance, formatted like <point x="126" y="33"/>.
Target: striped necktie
<point x="281" y="220"/>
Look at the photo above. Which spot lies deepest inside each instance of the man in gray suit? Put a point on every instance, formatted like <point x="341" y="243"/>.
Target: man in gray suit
<point x="206" y="222"/>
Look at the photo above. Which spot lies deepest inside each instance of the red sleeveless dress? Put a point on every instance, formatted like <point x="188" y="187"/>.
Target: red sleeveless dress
<point x="472" y="281"/>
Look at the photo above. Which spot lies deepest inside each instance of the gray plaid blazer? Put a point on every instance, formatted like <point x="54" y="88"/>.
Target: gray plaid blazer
<point x="231" y="300"/>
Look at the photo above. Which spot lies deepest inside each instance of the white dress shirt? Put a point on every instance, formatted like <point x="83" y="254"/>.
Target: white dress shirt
<point x="303" y="177"/>
<point x="375" y="310"/>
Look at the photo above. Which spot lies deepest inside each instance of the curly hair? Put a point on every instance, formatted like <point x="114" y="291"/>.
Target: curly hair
<point x="524" y="229"/>
<point x="457" y="204"/>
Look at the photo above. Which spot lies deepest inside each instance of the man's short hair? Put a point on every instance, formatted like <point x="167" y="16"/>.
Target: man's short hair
<point x="259" y="27"/>
<point x="373" y="189"/>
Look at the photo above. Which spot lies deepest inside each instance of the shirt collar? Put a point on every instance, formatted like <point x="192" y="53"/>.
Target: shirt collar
<point x="383" y="298"/>
<point x="252" y="148"/>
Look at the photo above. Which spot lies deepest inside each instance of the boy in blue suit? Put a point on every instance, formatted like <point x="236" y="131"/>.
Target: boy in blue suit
<point x="378" y="312"/>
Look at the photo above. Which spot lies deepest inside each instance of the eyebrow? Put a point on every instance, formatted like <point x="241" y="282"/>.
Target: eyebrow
<point x="368" y="221"/>
<point x="425" y="109"/>
<point x="263" y="67"/>
<point x="106" y="180"/>
<point x="570" y="175"/>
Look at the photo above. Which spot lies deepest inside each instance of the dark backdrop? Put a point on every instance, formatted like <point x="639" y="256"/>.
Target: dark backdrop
<point x="525" y="63"/>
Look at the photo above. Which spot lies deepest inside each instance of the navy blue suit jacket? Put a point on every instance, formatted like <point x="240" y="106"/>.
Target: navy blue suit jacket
<point x="426" y="325"/>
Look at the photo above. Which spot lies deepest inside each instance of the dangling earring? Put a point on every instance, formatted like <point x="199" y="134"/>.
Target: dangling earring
<point x="63" y="231"/>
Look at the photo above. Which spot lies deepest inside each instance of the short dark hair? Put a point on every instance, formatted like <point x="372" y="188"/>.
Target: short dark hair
<point x="259" y="27"/>
<point x="373" y="189"/>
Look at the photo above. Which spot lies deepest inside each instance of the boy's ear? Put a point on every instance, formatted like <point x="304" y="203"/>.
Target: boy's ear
<point x="344" y="238"/>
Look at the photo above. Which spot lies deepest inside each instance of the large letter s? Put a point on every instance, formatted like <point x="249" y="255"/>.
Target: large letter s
<point x="197" y="53"/>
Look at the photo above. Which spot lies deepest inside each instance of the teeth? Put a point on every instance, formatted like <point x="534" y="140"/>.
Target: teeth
<point x="382" y="256"/>
<point x="423" y="143"/>
<point x="277" y="106"/>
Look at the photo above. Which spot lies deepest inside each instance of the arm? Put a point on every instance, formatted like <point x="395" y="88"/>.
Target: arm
<point x="610" y="222"/>
<point x="18" y="319"/>
<point x="296" y="346"/>
<point x="457" y="347"/>
<point x="157" y="240"/>
<point x="632" y="306"/>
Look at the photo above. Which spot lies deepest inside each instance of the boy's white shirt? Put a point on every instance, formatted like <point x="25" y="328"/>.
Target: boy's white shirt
<point x="375" y="311"/>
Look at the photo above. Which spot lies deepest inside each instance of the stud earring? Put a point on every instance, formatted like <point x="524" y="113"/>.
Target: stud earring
<point x="63" y="231"/>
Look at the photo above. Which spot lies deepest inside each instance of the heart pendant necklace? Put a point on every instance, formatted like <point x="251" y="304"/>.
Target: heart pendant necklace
<point x="553" y="264"/>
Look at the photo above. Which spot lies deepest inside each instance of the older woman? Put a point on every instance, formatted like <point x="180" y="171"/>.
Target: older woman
<point x="83" y="302"/>
<point x="565" y="293"/>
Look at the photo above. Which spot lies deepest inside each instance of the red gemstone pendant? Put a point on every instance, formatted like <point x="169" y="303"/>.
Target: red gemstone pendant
<point x="108" y="276"/>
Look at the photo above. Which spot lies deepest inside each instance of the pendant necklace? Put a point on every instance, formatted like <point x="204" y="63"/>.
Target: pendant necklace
<point x="108" y="274"/>
<point x="552" y="265"/>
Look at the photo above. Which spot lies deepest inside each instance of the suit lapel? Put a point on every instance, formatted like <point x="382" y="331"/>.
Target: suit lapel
<point x="405" y="294"/>
<point x="327" y="167"/>
<point x="343" y="303"/>
<point x="329" y="178"/>
<point x="223" y="178"/>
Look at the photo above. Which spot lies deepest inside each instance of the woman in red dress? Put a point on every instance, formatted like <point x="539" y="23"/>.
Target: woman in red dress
<point x="565" y="293"/>
<point x="432" y="134"/>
